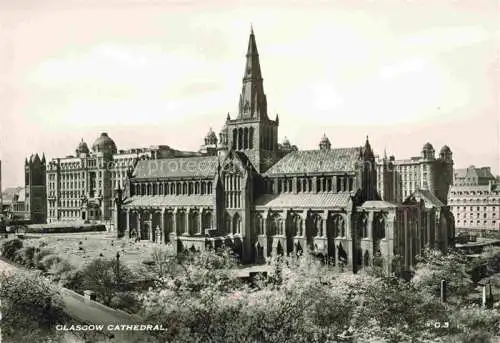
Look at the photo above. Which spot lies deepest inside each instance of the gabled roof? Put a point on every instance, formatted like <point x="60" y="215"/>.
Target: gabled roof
<point x="429" y="199"/>
<point x="169" y="200"/>
<point x="303" y="200"/>
<point x="317" y="161"/>
<point x="205" y="166"/>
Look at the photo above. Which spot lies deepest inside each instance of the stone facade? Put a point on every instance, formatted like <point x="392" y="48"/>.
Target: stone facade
<point x="475" y="199"/>
<point x="264" y="198"/>
<point x="35" y="198"/>
<point x="81" y="186"/>
<point x="398" y="179"/>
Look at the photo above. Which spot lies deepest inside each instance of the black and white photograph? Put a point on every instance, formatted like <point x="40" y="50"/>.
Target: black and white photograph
<point x="280" y="171"/>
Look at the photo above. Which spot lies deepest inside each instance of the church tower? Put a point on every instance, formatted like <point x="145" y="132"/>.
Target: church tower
<point x="252" y="132"/>
<point x="35" y="204"/>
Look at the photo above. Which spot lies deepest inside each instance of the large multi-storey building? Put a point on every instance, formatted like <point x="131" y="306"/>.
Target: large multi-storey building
<point x="80" y="187"/>
<point x="398" y="179"/>
<point x="263" y="198"/>
<point x="475" y="199"/>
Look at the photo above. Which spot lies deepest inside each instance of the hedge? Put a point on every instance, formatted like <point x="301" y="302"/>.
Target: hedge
<point x="48" y="228"/>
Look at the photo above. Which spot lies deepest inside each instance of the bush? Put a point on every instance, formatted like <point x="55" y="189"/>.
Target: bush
<point x="48" y="228"/>
<point x="31" y="306"/>
<point x="48" y="261"/>
<point x="10" y="247"/>
<point x="25" y="256"/>
<point x="72" y="279"/>
<point x="126" y="302"/>
<point x="40" y="254"/>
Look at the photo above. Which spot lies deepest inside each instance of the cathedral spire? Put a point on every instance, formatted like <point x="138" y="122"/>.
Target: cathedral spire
<point x="253" y="102"/>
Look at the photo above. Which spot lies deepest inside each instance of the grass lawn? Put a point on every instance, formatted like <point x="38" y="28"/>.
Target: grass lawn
<point x="80" y="249"/>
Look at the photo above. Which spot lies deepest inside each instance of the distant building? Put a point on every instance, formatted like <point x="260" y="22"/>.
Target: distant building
<point x="80" y="187"/>
<point x="8" y="195"/>
<point x="35" y="204"/>
<point x="18" y="206"/>
<point x="262" y="198"/>
<point x="475" y="199"/>
<point x="399" y="179"/>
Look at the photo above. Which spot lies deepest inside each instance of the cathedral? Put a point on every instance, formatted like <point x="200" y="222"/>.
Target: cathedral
<point x="263" y="198"/>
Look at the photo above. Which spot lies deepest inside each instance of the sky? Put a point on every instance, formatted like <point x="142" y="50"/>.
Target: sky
<point x="163" y="72"/>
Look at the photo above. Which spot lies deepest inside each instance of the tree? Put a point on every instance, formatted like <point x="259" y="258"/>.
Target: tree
<point x="106" y="278"/>
<point x="31" y="306"/>
<point x="163" y="258"/>
<point x="10" y="247"/>
<point x="434" y="266"/>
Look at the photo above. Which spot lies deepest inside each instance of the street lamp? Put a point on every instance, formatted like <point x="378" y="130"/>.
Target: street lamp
<point x="117" y="267"/>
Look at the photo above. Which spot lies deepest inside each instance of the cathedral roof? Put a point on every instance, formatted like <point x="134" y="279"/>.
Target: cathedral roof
<point x="169" y="200"/>
<point x="303" y="200"/>
<point x="317" y="161"/>
<point x="203" y="166"/>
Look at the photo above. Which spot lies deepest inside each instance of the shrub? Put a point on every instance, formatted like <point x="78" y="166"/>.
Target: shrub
<point x="39" y="256"/>
<point x="31" y="306"/>
<point x="10" y="247"/>
<point x="25" y="256"/>
<point x="48" y="261"/>
<point x="125" y="301"/>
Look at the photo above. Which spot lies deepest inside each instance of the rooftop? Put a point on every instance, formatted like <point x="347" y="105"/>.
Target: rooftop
<point x="303" y="200"/>
<point x="317" y="161"/>
<point x="203" y="166"/>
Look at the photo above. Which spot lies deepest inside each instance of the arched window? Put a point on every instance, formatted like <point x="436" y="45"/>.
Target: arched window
<point x="235" y="139"/>
<point x="339" y="226"/>
<point x="363" y="222"/>
<point x="379" y="228"/>
<point x="240" y="138"/>
<point x="250" y="139"/>
<point x="245" y="138"/>
<point x="184" y="188"/>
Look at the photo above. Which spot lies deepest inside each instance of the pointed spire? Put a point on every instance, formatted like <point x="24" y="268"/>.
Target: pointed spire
<point x="251" y="28"/>
<point x="253" y="102"/>
<point x="43" y="158"/>
<point x="277" y="120"/>
<point x="385" y="154"/>
<point x="228" y="118"/>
